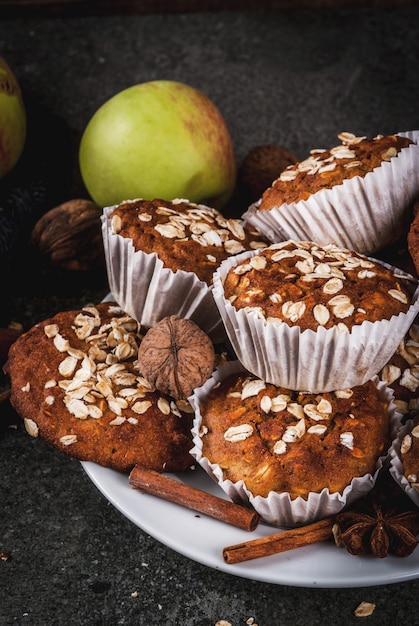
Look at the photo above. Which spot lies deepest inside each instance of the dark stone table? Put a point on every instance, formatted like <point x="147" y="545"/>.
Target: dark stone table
<point x="295" y="78"/>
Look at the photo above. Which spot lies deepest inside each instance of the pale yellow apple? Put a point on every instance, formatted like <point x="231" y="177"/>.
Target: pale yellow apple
<point x="159" y="139"/>
<point x="12" y="120"/>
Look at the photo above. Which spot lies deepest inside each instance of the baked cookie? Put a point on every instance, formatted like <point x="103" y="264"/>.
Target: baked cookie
<point x="75" y="383"/>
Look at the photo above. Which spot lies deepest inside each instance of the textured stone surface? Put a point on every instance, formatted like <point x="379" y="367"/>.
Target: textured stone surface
<point x="294" y="78"/>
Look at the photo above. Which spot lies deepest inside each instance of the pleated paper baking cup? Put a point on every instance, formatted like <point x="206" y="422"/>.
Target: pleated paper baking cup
<point x="316" y="361"/>
<point x="148" y="291"/>
<point x="277" y="508"/>
<point x="363" y="214"/>
<point x="396" y="464"/>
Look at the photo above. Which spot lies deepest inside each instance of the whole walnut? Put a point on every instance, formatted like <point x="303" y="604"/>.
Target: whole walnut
<point x="69" y="236"/>
<point x="176" y="356"/>
<point x="261" y="166"/>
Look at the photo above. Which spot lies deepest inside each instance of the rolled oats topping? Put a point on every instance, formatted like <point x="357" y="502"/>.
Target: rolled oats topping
<point x="401" y="373"/>
<point x="280" y="439"/>
<point x="104" y="375"/>
<point x="238" y="433"/>
<point x="303" y="412"/>
<point x="185" y="235"/>
<point x="409" y="452"/>
<point x="87" y="396"/>
<point x="309" y="285"/>
<point x="325" y="168"/>
<point x="31" y="427"/>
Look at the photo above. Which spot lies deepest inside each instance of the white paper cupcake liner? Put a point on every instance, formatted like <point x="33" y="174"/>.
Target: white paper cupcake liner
<point x="396" y="464"/>
<point x="363" y="214"/>
<point x="314" y="361"/>
<point x="278" y="508"/>
<point x="148" y="291"/>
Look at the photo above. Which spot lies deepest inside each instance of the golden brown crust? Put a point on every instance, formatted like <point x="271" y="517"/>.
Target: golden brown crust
<point x="324" y="169"/>
<point x="185" y="236"/>
<point x="110" y="416"/>
<point x="307" y="285"/>
<point x="285" y="441"/>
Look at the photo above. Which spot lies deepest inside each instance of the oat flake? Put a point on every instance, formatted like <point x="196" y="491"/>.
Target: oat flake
<point x="364" y="609"/>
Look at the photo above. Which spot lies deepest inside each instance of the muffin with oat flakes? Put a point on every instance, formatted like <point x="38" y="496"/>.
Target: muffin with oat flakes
<point x="356" y="194"/>
<point x="404" y="454"/>
<point x="401" y="373"/>
<point x="314" y="317"/>
<point x="293" y="455"/>
<point x="161" y="257"/>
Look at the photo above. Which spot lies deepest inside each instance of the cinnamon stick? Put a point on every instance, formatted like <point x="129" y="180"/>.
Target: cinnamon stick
<point x="162" y="486"/>
<point x="280" y="542"/>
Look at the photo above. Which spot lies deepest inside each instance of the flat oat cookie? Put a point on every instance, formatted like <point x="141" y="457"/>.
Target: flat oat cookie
<point x="75" y="384"/>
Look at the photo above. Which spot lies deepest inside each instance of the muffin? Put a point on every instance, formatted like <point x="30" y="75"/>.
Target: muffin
<point x="404" y="464"/>
<point x="313" y="317"/>
<point x="294" y="456"/>
<point x="356" y="194"/>
<point x="401" y="373"/>
<point x="75" y="383"/>
<point x="161" y="257"/>
<point x="409" y="451"/>
<point x="413" y="236"/>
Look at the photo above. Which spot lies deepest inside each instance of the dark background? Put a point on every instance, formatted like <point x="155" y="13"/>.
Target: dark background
<point x="289" y="76"/>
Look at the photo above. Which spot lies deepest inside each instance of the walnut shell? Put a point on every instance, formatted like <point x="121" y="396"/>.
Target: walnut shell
<point x="261" y="166"/>
<point x="69" y="236"/>
<point x="176" y="356"/>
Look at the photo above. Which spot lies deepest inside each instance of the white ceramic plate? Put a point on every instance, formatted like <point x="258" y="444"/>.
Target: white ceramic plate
<point x="202" y="539"/>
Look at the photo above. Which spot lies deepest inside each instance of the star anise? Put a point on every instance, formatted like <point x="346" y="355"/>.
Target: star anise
<point x="373" y="528"/>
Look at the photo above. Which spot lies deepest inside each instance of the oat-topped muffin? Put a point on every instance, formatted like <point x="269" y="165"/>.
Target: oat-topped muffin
<point x="410" y="454"/>
<point x="161" y="255"/>
<point x="314" y="317"/>
<point x="325" y="168"/>
<point x="286" y="442"/>
<point x="280" y="440"/>
<point x="304" y="284"/>
<point x="185" y="236"/>
<point x="357" y="194"/>
<point x="404" y="458"/>
<point x="401" y="373"/>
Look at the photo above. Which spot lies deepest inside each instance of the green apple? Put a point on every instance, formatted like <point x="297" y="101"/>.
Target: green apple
<point x="12" y="120"/>
<point x="158" y="139"/>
